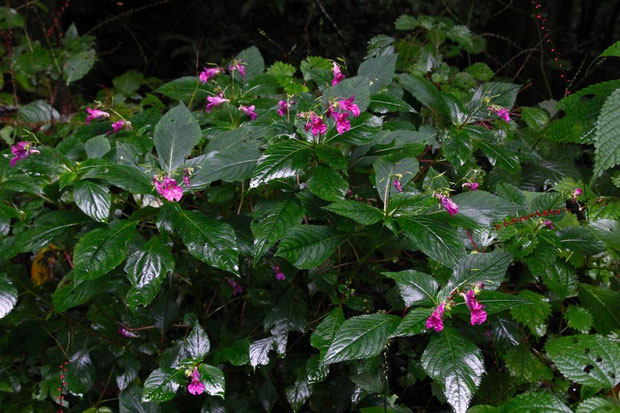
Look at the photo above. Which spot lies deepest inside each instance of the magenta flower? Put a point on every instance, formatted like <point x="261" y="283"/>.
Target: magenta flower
<point x="284" y="107"/>
<point x="21" y="150"/>
<point x="501" y="112"/>
<point x="186" y="177"/>
<point x="95" y="114"/>
<point x="248" y="110"/>
<point x="316" y="124"/>
<point x="549" y="224"/>
<point x="168" y="188"/>
<point x="398" y="186"/>
<point x="196" y="387"/>
<point x="338" y="76"/>
<point x="237" y="289"/>
<point x="238" y="66"/>
<point x="577" y="192"/>
<point x="448" y="205"/>
<point x="435" y="320"/>
<point x="215" y="101"/>
<point x="126" y="333"/>
<point x="278" y="272"/>
<point x="206" y="74"/>
<point x="342" y="124"/>
<point x="121" y="124"/>
<point x="478" y="315"/>
<point x="473" y="186"/>
<point x="348" y="105"/>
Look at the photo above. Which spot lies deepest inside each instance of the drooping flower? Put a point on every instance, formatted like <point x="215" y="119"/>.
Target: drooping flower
<point x="448" y="205"/>
<point x="237" y="65"/>
<point x="349" y="106"/>
<point x="215" y="101"/>
<point x="278" y="272"/>
<point x="398" y="186"/>
<point x="501" y="112"/>
<point x="284" y="107"/>
<point x="317" y="125"/>
<point x="577" y="192"/>
<point x="126" y="333"/>
<point x="21" y="150"/>
<point x="208" y="73"/>
<point x="95" y="114"/>
<point x="121" y="124"/>
<point x="478" y="315"/>
<point x="338" y="76"/>
<point x="249" y="110"/>
<point x="549" y="224"/>
<point x="435" y="320"/>
<point x="168" y="188"/>
<point x="342" y="123"/>
<point x="473" y="186"/>
<point x="186" y="173"/>
<point x="237" y="289"/>
<point x="196" y="387"/>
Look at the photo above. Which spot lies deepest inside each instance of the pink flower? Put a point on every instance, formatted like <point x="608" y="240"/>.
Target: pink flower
<point x="237" y="289"/>
<point x="168" y="188"/>
<point x="21" y="150"/>
<point x="448" y="205"/>
<point x="435" y="320"/>
<point x="342" y="124"/>
<point x="126" y="333"/>
<point x="196" y="387"/>
<point x="473" y="186"/>
<point x="279" y="274"/>
<point x="338" y="76"/>
<point x="398" y="186"/>
<point x="284" y="107"/>
<point x="209" y="73"/>
<point x="238" y="66"/>
<point x="248" y="110"/>
<point x="549" y="224"/>
<point x="577" y="192"/>
<point x="501" y="112"/>
<point x="348" y="105"/>
<point x="316" y="124"/>
<point x="121" y="124"/>
<point x="95" y="114"/>
<point x="215" y="101"/>
<point x="478" y="315"/>
<point x="186" y="177"/>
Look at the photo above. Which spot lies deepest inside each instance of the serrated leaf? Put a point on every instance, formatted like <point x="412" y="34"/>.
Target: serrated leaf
<point x="361" y="337"/>
<point x="607" y="137"/>
<point x="413" y="323"/>
<point x="259" y="351"/>
<point x="80" y="374"/>
<point x="581" y="240"/>
<point x="325" y="332"/>
<point x="130" y="401"/>
<point x="236" y="353"/>
<point x="328" y="184"/>
<point x="176" y="134"/>
<point x="125" y="177"/>
<point x="71" y="293"/>
<point x="359" y="212"/>
<point x="231" y="165"/>
<point x="388" y="169"/>
<point x="608" y="231"/>
<point x="424" y="91"/>
<point x="78" y="65"/>
<point x="535" y="402"/>
<point x="253" y="62"/>
<point x="499" y="155"/>
<point x="298" y="394"/>
<point x="213" y="380"/>
<point x="197" y="344"/>
<point x="364" y="129"/>
<point x="161" y="385"/>
<point x="385" y="103"/>
<point x="560" y="278"/>
<point x="97" y="147"/>
<point x="282" y="160"/>
<point x="308" y="246"/>
<point x="598" y="405"/>
<point x="379" y="70"/>
<point x="102" y="249"/>
<point x="93" y="199"/>
<point x="184" y="88"/>
<point x="534" y="314"/>
<point x="525" y="366"/>
<point x="579" y="318"/>
<point x="456" y="364"/>
<point x="483" y="207"/>
<point x="604" y="303"/>
<point x="592" y="360"/>
<point x="8" y="295"/>
<point x="272" y="218"/>
<point x="416" y="288"/>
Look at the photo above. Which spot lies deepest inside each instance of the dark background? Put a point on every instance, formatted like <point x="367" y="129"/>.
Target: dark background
<point x="171" y="38"/>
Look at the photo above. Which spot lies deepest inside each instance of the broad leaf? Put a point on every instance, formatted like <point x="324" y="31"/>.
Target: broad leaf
<point x="125" y="177"/>
<point x="525" y="366"/>
<point x="272" y="218"/>
<point x="8" y="295"/>
<point x="176" y="134"/>
<point x="308" y="246"/>
<point x="197" y="344"/>
<point x="80" y="374"/>
<point x="161" y="385"/>
<point x="130" y="401"/>
<point x="379" y="70"/>
<point x="48" y="227"/>
<point x="416" y="288"/>
<point x="213" y="380"/>
<point x="413" y="323"/>
<point x="325" y="332"/>
<point x="359" y="212"/>
<point x="581" y="240"/>
<point x="534" y="314"/>
<point x="387" y="170"/>
<point x="298" y="394"/>
<point x="93" y="199"/>
<point x="328" y="184"/>
<point x="535" y="402"/>
<point x="253" y="62"/>
<point x="259" y="351"/>
<point x="282" y="160"/>
<point x="604" y="303"/>
<point x="231" y="165"/>
<point x="483" y="207"/>
<point x="607" y="139"/>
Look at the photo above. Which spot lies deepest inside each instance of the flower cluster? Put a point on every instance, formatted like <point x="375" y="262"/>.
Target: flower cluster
<point x="284" y="107"/>
<point x="315" y="123"/>
<point x="340" y="111"/>
<point x="278" y="272"/>
<point x="237" y="66"/>
<point x="397" y="185"/>
<point x="501" y="112"/>
<point x="237" y="289"/>
<point x="249" y="110"/>
<point x="21" y="150"/>
<point x="477" y="313"/>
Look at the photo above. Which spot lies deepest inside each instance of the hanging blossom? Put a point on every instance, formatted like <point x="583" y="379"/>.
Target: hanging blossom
<point x="577" y="192"/>
<point x="186" y="174"/>
<point x="478" y="315"/>
<point x="196" y="387"/>
<point x="208" y="73"/>
<point x="284" y="107"/>
<point x="237" y="289"/>
<point x="126" y="333"/>
<point x="436" y="319"/>
<point x="215" y="101"/>
<point x="316" y="124"/>
<point x="448" y="204"/>
<point x="168" y="188"/>
<point x="21" y="150"/>
<point x="472" y="186"/>
<point x="249" y="110"/>
<point x="121" y="124"/>
<point x="95" y="114"/>
<point x="338" y="76"/>
<point x="349" y="106"/>
<point x="278" y="272"/>
<point x="549" y="224"/>
<point x="237" y="65"/>
<point x="501" y="112"/>
<point x="340" y="110"/>
<point x="398" y="186"/>
<point x="342" y="123"/>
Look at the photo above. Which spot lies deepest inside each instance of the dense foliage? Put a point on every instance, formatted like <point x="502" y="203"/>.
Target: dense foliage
<point x="397" y="237"/>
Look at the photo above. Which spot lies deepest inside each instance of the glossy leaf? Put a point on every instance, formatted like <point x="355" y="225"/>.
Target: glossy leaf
<point x="197" y="344"/>
<point x="271" y="221"/>
<point x="282" y="160"/>
<point x="308" y="246"/>
<point x="161" y="385"/>
<point x="359" y="212"/>
<point x="93" y="199"/>
<point x="176" y="134"/>
<point x="8" y="295"/>
<point x="328" y="184"/>
<point x="416" y="288"/>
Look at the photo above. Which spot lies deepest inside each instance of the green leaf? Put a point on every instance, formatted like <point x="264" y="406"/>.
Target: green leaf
<point x="504" y="158"/>
<point x="379" y="70"/>
<point x="317" y="69"/>
<point x="483" y="207"/>
<point x="71" y="293"/>
<point x="234" y="164"/>
<point x="579" y="318"/>
<point x="308" y="246"/>
<point x="361" y="337"/>
<point x="161" y="385"/>
<point x="325" y="332"/>
<point x="424" y="91"/>
<point x="359" y="212"/>
<point x="502" y="94"/>
<point x="97" y="147"/>
<point x="416" y="288"/>
<point x="413" y="323"/>
<point x="197" y="344"/>
<point x="434" y="237"/>
<point x="282" y="160"/>
<point x="535" y="118"/>
<point x="130" y="401"/>
<point x="592" y="360"/>
<point x="604" y="303"/>
<point x="613" y="50"/>
<point x="559" y="277"/>
<point x="209" y="240"/>
<point x="456" y="364"/>
<point x="236" y="353"/>
<point x="78" y="65"/>
<point x="272" y="218"/>
<point x="184" y="88"/>
<point x="259" y="351"/>
<point x="80" y="374"/>
<point x="328" y="184"/>
<point x="49" y="226"/>
<point x="129" y="82"/>
<point x="607" y="138"/>
<point x="93" y="199"/>
<point x="358" y="86"/>
<point x="126" y="177"/>
<point x="598" y="405"/>
<point x="608" y="231"/>
<point x="581" y="240"/>
<point x="525" y="366"/>
<point x="253" y="62"/>
<point x="8" y="295"/>
<point x="534" y="314"/>
<point x="387" y="169"/>
<point x="364" y="129"/>
<point x="176" y="134"/>
<point x="385" y="103"/>
<point x="489" y="268"/>
<point x="102" y="249"/>
<point x="145" y="269"/>
<point x="213" y="380"/>
<point x="532" y="402"/>
<point x="298" y="394"/>
<point x="37" y="111"/>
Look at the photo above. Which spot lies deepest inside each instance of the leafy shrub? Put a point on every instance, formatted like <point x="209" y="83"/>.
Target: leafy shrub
<point x="395" y="238"/>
